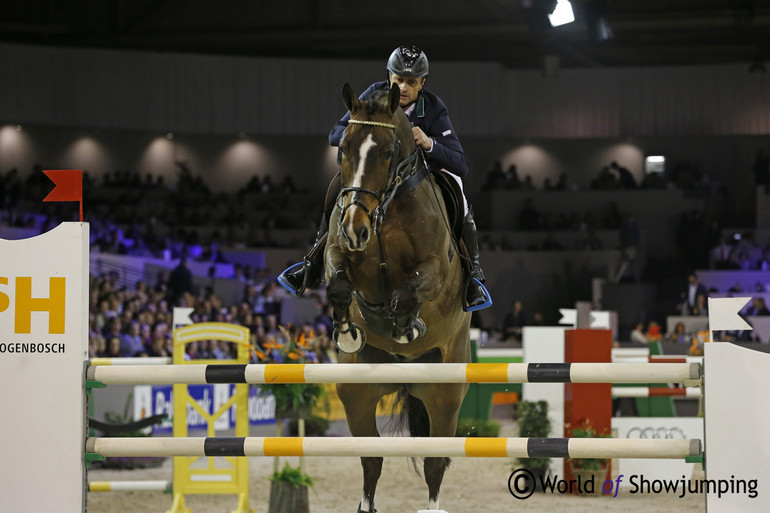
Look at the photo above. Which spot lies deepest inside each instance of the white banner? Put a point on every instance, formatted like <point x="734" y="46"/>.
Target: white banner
<point x="43" y="350"/>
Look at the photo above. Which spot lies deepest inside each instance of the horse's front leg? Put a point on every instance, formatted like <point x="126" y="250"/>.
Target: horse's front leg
<point x="360" y="402"/>
<point x="339" y="292"/>
<point x="423" y="285"/>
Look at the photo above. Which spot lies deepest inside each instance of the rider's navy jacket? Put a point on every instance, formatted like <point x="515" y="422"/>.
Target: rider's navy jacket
<point x="432" y="116"/>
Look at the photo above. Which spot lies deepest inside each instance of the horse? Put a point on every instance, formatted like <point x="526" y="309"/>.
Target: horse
<point x="390" y="247"/>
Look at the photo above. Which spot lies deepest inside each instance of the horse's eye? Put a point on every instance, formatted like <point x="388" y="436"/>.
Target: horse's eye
<point x="387" y="155"/>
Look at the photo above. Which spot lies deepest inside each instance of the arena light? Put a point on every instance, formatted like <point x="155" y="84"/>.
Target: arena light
<point x="562" y="14"/>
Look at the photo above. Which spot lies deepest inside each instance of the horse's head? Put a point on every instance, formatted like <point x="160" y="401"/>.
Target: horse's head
<point x="376" y="138"/>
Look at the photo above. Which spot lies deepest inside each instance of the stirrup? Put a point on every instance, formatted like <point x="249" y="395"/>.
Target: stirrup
<point x="283" y="279"/>
<point x="485" y="304"/>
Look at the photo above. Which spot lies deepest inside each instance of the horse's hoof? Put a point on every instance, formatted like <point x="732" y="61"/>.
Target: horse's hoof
<point x="350" y="341"/>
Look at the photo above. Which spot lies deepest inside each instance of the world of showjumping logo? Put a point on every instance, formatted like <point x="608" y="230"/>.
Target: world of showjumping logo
<point x="522" y="484"/>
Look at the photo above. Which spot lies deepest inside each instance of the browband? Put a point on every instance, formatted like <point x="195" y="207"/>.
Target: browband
<point x="372" y="123"/>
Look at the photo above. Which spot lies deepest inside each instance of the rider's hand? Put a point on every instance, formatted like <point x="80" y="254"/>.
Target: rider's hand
<point x="425" y="142"/>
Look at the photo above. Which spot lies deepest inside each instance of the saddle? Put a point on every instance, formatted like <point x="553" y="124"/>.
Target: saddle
<point x="452" y="196"/>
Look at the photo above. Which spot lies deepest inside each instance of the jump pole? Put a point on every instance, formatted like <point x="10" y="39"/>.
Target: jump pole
<point x="130" y="486"/>
<point x="130" y="360"/>
<point x="478" y="447"/>
<point x="689" y="392"/>
<point x="399" y="373"/>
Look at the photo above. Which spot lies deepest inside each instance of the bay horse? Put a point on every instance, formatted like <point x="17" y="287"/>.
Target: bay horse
<point x="390" y="248"/>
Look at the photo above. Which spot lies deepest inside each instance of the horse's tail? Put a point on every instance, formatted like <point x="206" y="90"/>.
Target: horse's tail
<point x="414" y="417"/>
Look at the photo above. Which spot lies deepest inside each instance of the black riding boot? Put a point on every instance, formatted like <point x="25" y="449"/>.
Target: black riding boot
<point x="308" y="273"/>
<point x="476" y="294"/>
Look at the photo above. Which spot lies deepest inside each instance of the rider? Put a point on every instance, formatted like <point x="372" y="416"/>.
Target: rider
<point x="433" y="132"/>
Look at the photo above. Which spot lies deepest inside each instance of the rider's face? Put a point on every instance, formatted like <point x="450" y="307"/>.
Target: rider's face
<point x="409" y="86"/>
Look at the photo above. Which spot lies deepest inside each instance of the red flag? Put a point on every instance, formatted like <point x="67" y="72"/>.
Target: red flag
<point x="68" y="186"/>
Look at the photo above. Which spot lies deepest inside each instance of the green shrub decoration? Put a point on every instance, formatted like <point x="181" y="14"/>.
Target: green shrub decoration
<point x="477" y="427"/>
<point x="292" y="475"/>
<point x="584" y="429"/>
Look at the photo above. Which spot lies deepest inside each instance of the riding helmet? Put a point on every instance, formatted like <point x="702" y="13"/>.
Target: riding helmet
<point x="408" y="61"/>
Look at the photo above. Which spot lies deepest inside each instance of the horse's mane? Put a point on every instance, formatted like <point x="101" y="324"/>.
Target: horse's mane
<point x="378" y="102"/>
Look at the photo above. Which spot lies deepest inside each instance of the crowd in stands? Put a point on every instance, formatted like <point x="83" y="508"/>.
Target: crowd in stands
<point x="683" y="176"/>
<point x="137" y="321"/>
<point x="143" y="216"/>
<point x="532" y="219"/>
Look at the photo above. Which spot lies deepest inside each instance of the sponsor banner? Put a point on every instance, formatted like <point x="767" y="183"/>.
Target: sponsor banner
<point x="159" y="399"/>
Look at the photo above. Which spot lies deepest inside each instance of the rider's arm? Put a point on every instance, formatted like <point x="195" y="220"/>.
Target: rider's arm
<point x="446" y="153"/>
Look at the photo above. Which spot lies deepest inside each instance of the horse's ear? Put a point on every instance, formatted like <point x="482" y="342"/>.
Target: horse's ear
<point x="351" y="102"/>
<point x="394" y="98"/>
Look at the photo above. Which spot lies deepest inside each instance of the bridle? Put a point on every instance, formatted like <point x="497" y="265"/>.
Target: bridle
<point x="393" y="185"/>
<point x="403" y="176"/>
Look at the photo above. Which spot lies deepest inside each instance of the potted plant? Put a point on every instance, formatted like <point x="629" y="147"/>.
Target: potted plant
<point x="534" y="423"/>
<point x="292" y="400"/>
<point x="288" y="489"/>
<point x="587" y="469"/>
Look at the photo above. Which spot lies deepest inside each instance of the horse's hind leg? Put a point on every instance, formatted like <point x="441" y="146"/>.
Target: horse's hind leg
<point x="360" y="402"/>
<point x="442" y="402"/>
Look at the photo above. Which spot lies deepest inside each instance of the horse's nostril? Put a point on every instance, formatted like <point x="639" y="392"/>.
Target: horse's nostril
<point x="363" y="234"/>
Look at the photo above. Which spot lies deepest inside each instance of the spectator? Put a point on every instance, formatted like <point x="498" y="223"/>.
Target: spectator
<point x="514" y="321"/>
<point x="701" y="306"/>
<point x="653" y="332"/>
<point x="757" y="308"/>
<point x="625" y="178"/>
<point x="679" y="334"/>
<point x="720" y="254"/>
<point x="267" y="303"/>
<point x="180" y="281"/>
<point x="113" y="348"/>
<point x="690" y="295"/>
<point x="637" y="334"/>
<point x="131" y="343"/>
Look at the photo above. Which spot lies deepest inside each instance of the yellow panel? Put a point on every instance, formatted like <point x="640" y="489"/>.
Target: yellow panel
<point x="486" y="373"/>
<point x="283" y="447"/>
<point x="239" y="472"/>
<point x="485" y="447"/>
<point x="284" y="373"/>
